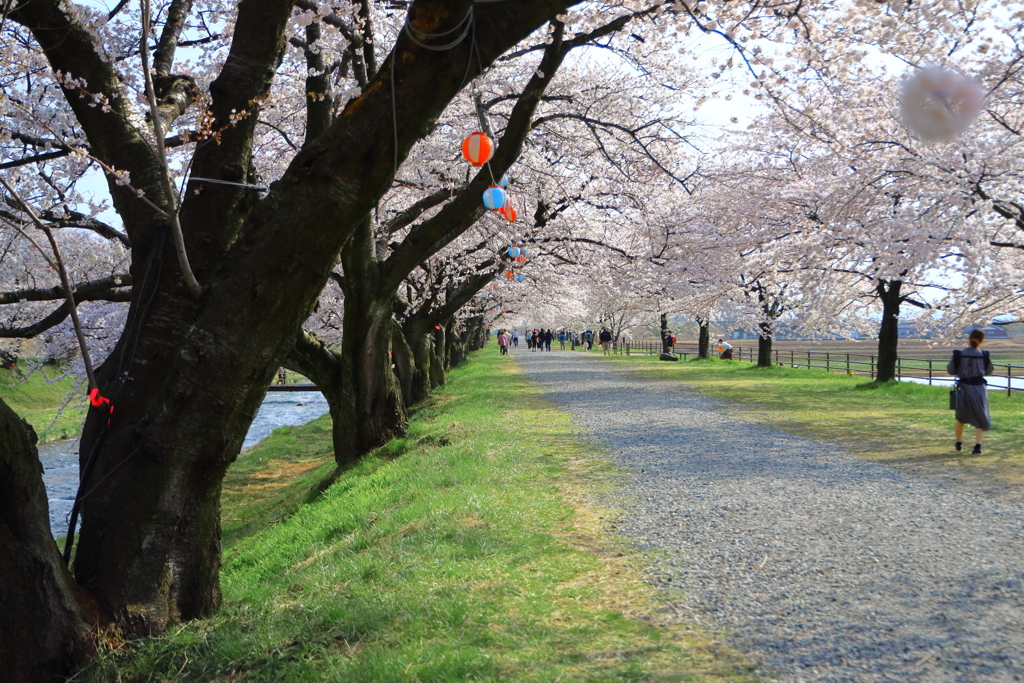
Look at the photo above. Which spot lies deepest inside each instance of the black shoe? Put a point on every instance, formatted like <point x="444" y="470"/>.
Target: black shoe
<point x="959" y="445"/>
<point x="977" y="449"/>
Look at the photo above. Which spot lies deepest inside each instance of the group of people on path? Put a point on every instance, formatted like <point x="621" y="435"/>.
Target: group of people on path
<point x="542" y="339"/>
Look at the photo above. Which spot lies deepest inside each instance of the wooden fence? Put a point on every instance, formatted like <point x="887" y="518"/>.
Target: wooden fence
<point x="923" y="370"/>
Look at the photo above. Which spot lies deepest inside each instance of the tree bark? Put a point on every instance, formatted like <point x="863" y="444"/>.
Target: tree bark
<point x="438" y="360"/>
<point x="404" y="361"/>
<point x="889" y="330"/>
<point x="456" y="348"/>
<point x="666" y="347"/>
<point x="473" y="332"/>
<point x="36" y="588"/>
<point x="377" y="409"/>
<point x="703" y="338"/>
<point x="764" y="345"/>
<point x="421" y="345"/>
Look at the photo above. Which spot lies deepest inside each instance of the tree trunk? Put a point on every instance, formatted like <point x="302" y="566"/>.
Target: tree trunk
<point x="703" y="339"/>
<point x="456" y="349"/>
<point x="456" y="345"/>
<point x="666" y="346"/>
<point x="44" y="629"/>
<point x="404" y="361"/>
<point x="474" y="333"/>
<point x="764" y="345"/>
<point x="377" y="411"/>
<point x="889" y="330"/>
<point x="437" y="361"/>
<point x="421" y="343"/>
<point x="322" y="366"/>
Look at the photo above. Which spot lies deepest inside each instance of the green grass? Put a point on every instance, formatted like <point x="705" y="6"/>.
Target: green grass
<point x="40" y="399"/>
<point x="902" y="422"/>
<point x="466" y="550"/>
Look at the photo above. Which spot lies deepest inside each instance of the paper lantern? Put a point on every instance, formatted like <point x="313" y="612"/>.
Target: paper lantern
<point x="510" y="275"/>
<point x="478" y="149"/>
<point x="520" y="277"/>
<point x="513" y="251"/>
<point x="495" y="285"/>
<point x="520" y="259"/>
<point x="494" y="198"/>
<point x="509" y="212"/>
<point x="504" y="180"/>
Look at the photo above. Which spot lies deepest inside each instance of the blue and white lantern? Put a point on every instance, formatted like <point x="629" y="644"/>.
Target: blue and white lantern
<point x="520" y="277"/>
<point x="504" y="181"/>
<point x="494" y="198"/>
<point x="513" y="251"/>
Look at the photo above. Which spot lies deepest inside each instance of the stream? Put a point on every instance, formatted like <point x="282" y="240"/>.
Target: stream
<point x="60" y="458"/>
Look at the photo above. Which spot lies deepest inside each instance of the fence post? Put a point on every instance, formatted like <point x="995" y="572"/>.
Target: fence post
<point x="899" y="368"/>
<point x="828" y="362"/>
<point x="929" y="372"/>
<point x="1009" y="380"/>
<point x="872" y="366"/>
<point x="808" y="360"/>
<point x="847" y="364"/>
<point x="791" y="359"/>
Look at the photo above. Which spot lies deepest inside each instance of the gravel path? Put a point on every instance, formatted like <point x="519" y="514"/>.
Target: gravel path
<point x="822" y="566"/>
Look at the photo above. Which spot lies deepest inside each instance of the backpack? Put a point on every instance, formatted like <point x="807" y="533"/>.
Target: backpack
<point x="970" y="370"/>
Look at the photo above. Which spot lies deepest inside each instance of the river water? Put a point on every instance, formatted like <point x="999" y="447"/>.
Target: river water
<point x="60" y="458"/>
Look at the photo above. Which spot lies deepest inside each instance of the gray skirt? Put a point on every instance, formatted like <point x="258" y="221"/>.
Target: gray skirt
<point x="975" y="409"/>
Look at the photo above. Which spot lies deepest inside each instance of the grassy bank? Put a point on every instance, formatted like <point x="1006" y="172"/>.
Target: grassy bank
<point x="900" y="422"/>
<point x="41" y="400"/>
<point x="466" y="551"/>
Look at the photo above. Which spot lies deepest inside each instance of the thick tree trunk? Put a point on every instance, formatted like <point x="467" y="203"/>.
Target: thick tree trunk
<point x="438" y="360"/>
<point x="404" y="362"/>
<point x="377" y="409"/>
<point x="44" y="629"/>
<point x="703" y="339"/>
<point x="474" y="333"/>
<point x="456" y="345"/>
<point x="889" y="330"/>
<point x="764" y="345"/>
<point x="421" y="344"/>
<point x="456" y="349"/>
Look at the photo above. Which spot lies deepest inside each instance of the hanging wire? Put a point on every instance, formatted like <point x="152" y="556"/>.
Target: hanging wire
<point x="228" y="182"/>
<point x="463" y="25"/>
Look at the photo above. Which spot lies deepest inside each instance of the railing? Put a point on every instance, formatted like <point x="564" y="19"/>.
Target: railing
<point x="923" y="370"/>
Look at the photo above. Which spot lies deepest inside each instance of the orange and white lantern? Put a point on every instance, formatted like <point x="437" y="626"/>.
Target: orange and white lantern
<point x="478" y="149"/>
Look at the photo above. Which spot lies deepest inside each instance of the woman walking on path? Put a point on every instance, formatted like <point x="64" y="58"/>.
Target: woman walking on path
<point x="503" y="340"/>
<point x="970" y="365"/>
